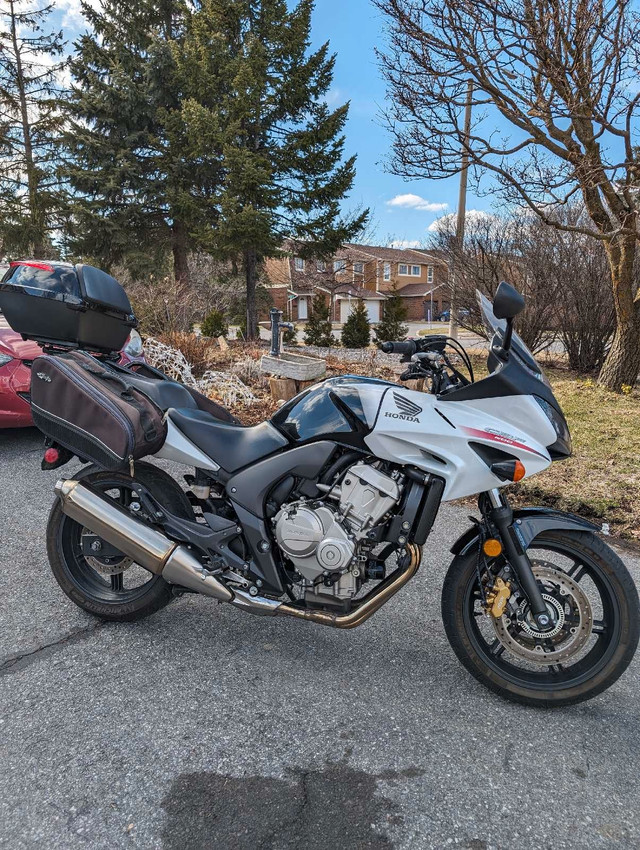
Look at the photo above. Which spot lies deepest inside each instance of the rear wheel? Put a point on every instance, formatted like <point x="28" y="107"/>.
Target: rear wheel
<point x="593" y="604"/>
<point x="92" y="573"/>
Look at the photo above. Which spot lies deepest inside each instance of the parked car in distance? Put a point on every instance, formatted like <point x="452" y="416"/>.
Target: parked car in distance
<point x="445" y="316"/>
<point x="16" y="357"/>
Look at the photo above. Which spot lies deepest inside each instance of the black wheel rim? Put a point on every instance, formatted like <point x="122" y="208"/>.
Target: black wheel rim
<point x="119" y="587"/>
<point x="605" y="631"/>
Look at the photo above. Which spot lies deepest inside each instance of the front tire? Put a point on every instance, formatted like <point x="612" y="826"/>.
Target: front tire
<point x="119" y="590"/>
<point x="598" y="594"/>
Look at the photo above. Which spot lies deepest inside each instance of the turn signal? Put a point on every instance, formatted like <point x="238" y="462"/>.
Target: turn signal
<point x="492" y="547"/>
<point x="509" y="470"/>
<point x="519" y="471"/>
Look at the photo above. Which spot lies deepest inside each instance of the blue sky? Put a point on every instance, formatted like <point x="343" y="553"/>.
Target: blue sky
<point x="401" y="211"/>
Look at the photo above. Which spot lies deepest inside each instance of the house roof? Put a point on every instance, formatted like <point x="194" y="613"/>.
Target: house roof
<point x="349" y="289"/>
<point x="413" y="290"/>
<point x="397" y="255"/>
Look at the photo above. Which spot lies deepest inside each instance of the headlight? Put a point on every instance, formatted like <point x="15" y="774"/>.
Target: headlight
<point x="5" y="358"/>
<point x="562" y="446"/>
<point x="134" y="346"/>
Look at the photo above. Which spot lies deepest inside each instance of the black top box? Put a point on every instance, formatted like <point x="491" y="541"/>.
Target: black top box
<point x="66" y="306"/>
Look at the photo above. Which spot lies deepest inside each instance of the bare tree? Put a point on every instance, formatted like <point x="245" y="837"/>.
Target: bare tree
<point x="563" y="74"/>
<point x="512" y="247"/>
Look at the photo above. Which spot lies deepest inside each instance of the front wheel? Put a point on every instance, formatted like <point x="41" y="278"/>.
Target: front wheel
<point x="592" y="600"/>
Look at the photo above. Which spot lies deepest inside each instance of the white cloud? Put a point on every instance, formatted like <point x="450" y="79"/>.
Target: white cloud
<point x="73" y="11"/>
<point x="405" y="243"/>
<point x="416" y="202"/>
<point x="447" y="223"/>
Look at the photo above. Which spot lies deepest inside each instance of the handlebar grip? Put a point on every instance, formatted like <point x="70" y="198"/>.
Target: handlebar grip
<point x="407" y="348"/>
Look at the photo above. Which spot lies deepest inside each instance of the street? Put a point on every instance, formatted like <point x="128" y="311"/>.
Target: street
<point x="202" y="727"/>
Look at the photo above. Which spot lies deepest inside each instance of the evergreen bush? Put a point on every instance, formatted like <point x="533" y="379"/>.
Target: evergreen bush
<point x="356" y="332"/>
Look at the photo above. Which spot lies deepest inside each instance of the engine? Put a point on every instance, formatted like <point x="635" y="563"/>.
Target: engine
<point x="324" y="539"/>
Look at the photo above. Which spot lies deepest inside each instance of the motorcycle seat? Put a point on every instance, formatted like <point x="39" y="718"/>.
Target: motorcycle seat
<point x="232" y="446"/>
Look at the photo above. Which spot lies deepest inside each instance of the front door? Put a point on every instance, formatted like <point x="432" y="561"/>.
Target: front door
<point x="302" y="308"/>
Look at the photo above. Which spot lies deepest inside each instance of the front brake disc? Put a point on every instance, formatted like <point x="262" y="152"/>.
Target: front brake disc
<point x="571" y="613"/>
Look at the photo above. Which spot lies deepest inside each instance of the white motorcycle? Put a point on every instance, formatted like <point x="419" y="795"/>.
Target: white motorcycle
<point x="321" y="513"/>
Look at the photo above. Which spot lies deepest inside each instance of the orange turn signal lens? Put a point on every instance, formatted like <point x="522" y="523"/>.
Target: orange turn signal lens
<point x="492" y="547"/>
<point x="519" y="471"/>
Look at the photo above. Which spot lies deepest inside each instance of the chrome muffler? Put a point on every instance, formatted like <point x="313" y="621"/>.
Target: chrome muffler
<point x="147" y="546"/>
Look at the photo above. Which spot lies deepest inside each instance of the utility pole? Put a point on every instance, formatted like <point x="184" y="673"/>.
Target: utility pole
<point x="462" y="209"/>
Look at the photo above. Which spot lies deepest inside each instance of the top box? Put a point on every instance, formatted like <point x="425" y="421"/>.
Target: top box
<point x="65" y="306"/>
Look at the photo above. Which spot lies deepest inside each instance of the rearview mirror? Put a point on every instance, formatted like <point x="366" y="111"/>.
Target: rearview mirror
<point x="508" y="302"/>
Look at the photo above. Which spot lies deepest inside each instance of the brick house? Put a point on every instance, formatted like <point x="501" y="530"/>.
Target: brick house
<point x="358" y="271"/>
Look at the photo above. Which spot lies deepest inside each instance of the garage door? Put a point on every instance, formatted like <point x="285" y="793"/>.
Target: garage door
<point x="373" y="310"/>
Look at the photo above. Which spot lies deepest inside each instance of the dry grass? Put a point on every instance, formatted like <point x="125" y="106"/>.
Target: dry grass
<point x="602" y="479"/>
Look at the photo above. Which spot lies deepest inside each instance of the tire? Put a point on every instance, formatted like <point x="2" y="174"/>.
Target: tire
<point x="80" y="581"/>
<point x="613" y="639"/>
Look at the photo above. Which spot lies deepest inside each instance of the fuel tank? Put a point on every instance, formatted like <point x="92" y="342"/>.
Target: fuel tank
<point x="343" y="409"/>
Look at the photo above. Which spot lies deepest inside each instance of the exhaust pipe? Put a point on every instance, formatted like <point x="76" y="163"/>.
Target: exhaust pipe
<point x="147" y="546"/>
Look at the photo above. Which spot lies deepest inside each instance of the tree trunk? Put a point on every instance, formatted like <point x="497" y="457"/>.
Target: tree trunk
<point x="180" y="252"/>
<point x="251" y="274"/>
<point x="622" y="364"/>
<point x="36" y="236"/>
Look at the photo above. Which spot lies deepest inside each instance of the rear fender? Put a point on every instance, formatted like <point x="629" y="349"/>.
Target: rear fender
<point x="528" y="523"/>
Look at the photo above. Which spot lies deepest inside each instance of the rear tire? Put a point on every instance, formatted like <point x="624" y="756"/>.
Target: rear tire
<point x="80" y="581"/>
<point x="566" y="685"/>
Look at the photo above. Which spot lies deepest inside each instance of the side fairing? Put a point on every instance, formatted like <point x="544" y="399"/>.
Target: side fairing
<point x="439" y="436"/>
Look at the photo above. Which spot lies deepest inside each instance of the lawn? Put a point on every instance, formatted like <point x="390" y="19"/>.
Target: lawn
<point x="602" y="479"/>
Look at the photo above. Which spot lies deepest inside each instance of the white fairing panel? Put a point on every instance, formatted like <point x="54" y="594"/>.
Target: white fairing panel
<point x="181" y="450"/>
<point x="435" y="435"/>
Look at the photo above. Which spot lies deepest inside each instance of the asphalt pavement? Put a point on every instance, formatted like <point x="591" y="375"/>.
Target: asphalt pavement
<point x="202" y="727"/>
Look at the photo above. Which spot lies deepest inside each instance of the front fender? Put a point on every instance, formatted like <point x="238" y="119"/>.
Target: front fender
<point x="528" y="524"/>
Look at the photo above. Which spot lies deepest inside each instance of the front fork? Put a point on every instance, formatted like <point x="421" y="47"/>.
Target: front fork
<point x="500" y="515"/>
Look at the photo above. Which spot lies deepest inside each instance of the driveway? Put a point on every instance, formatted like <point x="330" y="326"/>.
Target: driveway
<point x="202" y="727"/>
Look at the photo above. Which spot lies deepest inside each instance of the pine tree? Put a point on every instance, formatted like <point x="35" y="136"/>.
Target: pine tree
<point x="356" y="332"/>
<point x="395" y="314"/>
<point x="31" y="197"/>
<point x="142" y="192"/>
<point x="318" y="328"/>
<point x="281" y="145"/>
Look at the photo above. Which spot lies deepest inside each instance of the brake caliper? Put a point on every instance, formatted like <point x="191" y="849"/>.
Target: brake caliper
<point x="497" y="598"/>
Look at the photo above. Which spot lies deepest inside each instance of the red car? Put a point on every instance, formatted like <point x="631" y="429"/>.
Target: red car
<point x="16" y="356"/>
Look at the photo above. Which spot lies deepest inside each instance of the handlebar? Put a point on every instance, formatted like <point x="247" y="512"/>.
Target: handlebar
<point x="407" y="348"/>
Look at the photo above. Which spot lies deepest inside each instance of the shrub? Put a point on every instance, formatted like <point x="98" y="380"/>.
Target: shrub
<point x="290" y="336"/>
<point x="395" y="313"/>
<point x="318" y="328"/>
<point x="356" y="332"/>
<point x="214" y="324"/>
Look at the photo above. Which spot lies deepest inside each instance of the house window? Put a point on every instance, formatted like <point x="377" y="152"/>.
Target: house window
<point x="409" y="271"/>
<point x="321" y="266"/>
<point x="429" y="274"/>
<point x="339" y="265"/>
<point x="387" y="271"/>
<point x="358" y="268"/>
<point x="298" y="264"/>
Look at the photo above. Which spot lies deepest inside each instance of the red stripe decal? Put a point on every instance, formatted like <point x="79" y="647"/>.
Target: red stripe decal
<point x="497" y="438"/>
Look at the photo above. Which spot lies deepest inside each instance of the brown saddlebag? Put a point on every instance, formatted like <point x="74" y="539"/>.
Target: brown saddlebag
<point x="93" y="410"/>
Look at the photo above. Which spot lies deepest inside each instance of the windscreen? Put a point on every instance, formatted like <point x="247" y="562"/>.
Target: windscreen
<point x="496" y="329"/>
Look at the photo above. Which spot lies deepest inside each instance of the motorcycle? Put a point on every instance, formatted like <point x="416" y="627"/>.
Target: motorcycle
<point x="322" y="513"/>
